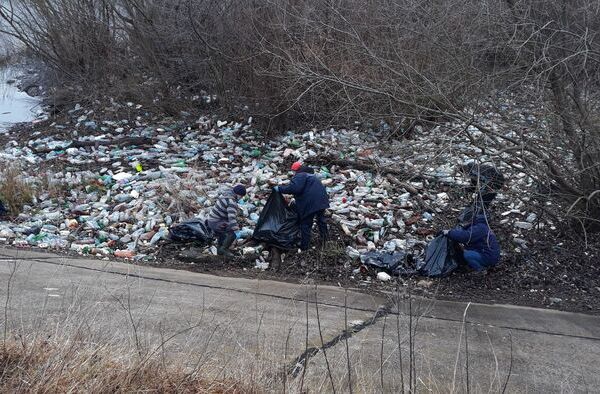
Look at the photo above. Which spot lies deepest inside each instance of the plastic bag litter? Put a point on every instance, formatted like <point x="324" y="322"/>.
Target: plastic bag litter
<point x="192" y="231"/>
<point x="396" y="263"/>
<point x="440" y="258"/>
<point x="383" y="260"/>
<point x="278" y="223"/>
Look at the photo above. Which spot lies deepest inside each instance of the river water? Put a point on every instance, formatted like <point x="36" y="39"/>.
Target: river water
<point x="15" y="106"/>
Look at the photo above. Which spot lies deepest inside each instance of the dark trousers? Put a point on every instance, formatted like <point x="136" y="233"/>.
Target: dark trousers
<point x="221" y="230"/>
<point x="222" y="235"/>
<point x="306" y="225"/>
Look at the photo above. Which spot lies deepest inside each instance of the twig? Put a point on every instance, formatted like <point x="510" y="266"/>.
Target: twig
<point x="346" y="340"/>
<point x="399" y="339"/>
<point x="6" y="304"/>
<point x="462" y="329"/>
<point x="467" y="349"/>
<point x="305" y="344"/>
<point x="509" y="367"/>
<point x="287" y="341"/>
<point x="495" y="362"/>
<point x="323" y="342"/>
<point x="410" y="345"/>
<point x="381" y="354"/>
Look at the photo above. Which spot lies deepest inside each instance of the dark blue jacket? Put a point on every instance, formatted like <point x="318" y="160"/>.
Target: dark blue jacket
<point x="479" y="238"/>
<point x="309" y="193"/>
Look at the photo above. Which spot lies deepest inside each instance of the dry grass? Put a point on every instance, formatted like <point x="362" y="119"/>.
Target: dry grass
<point x="333" y="250"/>
<point x="14" y="191"/>
<point x="79" y="367"/>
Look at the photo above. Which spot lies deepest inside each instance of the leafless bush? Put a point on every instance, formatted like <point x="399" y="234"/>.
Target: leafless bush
<point x="387" y="60"/>
<point x="77" y="37"/>
<point x="340" y="62"/>
<point x="554" y="59"/>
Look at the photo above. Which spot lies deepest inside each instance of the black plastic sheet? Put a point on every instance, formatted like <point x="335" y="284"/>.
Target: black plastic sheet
<point x="383" y="260"/>
<point x="192" y="231"/>
<point x="440" y="258"/>
<point x="278" y="224"/>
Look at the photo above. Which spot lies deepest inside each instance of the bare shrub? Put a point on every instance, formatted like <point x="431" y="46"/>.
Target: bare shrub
<point x="554" y="64"/>
<point x="390" y="60"/>
<point x="330" y="62"/>
<point x="77" y="36"/>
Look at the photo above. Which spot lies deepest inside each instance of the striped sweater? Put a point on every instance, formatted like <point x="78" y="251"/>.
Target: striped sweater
<point x="223" y="215"/>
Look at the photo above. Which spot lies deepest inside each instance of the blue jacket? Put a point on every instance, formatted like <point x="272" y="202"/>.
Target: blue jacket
<point x="309" y="193"/>
<point x="479" y="238"/>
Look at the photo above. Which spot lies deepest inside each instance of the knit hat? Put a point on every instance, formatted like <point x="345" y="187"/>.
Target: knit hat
<point x="240" y="190"/>
<point x="296" y="166"/>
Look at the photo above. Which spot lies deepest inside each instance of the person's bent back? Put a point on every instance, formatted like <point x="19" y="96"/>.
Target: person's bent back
<point x="481" y="248"/>
<point x="311" y="201"/>
<point x="222" y="218"/>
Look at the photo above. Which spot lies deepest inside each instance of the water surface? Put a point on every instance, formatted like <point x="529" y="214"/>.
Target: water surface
<point x="15" y="106"/>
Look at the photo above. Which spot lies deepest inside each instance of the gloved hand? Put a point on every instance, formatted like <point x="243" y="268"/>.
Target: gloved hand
<point x="445" y="232"/>
<point x="276" y="188"/>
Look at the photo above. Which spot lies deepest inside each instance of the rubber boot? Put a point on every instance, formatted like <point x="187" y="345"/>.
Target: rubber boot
<point x="223" y="249"/>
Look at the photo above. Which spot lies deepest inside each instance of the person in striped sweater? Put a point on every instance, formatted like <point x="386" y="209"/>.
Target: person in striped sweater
<point x="222" y="219"/>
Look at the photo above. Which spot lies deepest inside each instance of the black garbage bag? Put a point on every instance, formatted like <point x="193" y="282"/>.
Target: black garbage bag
<point x="278" y="224"/>
<point x="395" y="263"/>
<point x="440" y="258"/>
<point x="194" y="230"/>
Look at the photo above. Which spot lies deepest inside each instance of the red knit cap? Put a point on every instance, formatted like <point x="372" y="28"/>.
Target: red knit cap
<point x="296" y="166"/>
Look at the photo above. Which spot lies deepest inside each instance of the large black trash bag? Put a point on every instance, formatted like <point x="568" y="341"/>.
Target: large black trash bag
<point x="383" y="260"/>
<point x="194" y="230"/>
<point x="278" y="223"/>
<point x="395" y="263"/>
<point x="440" y="258"/>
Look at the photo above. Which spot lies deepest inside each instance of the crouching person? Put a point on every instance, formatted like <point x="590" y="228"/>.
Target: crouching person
<point x="481" y="249"/>
<point x="222" y="219"/>
<point x="311" y="202"/>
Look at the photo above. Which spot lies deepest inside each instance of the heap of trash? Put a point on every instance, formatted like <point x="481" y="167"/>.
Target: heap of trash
<point x="115" y="188"/>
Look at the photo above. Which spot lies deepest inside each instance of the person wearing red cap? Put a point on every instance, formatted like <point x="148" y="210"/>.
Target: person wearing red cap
<point x="311" y="202"/>
<point x="296" y="166"/>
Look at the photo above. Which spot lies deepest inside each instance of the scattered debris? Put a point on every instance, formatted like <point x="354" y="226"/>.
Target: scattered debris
<point x="117" y="188"/>
<point x="384" y="277"/>
<point x="425" y="283"/>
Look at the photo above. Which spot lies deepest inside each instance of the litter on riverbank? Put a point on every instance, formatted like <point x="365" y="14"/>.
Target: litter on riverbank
<point x="110" y="187"/>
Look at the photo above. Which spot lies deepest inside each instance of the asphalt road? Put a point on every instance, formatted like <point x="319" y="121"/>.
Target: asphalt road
<point x="266" y="330"/>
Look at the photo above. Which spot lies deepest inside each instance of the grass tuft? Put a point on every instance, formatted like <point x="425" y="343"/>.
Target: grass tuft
<point x="14" y="191"/>
<point x="75" y="367"/>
